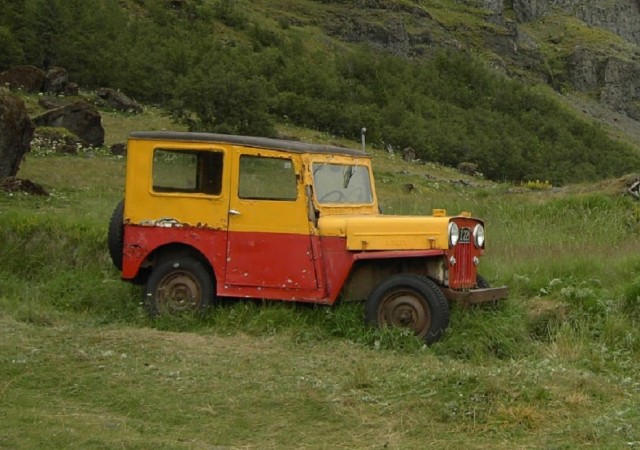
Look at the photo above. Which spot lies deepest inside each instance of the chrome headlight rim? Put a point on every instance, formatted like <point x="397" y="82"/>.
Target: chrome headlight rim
<point x="479" y="236"/>
<point x="454" y="234"/>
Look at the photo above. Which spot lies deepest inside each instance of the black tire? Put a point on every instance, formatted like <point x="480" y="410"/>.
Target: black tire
<point x="481" y="282"/>
<point x="411" y="301"/>
<point x="115" y="238"/>
<point x="179" y="285"/>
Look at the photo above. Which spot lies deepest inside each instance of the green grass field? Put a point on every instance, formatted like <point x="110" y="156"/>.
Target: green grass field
<point x="554" y="366"/>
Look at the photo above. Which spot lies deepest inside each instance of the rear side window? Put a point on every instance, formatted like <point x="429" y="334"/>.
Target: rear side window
<point x="264" y="178"/>
<point x="190" y="171"/>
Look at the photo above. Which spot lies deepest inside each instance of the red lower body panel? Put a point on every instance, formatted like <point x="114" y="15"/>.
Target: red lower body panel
<point x="253" y="265"/>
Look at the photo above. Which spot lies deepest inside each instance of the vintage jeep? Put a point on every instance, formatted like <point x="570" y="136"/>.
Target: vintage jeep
<point x="208" y="216"/>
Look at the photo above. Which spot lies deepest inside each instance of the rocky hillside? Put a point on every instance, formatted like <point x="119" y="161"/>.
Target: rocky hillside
<point x="586" y="50"/>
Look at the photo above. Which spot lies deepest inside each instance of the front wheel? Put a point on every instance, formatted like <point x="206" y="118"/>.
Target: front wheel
<point x="178" y="285"/>
<point x="409" y="301"/>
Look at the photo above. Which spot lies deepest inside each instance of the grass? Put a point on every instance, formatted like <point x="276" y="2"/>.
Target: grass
<point x="554" y="366"/>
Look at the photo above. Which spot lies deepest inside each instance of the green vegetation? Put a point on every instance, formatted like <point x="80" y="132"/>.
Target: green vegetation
<point x="553" y="366"/>
<point x="249" y="67"/>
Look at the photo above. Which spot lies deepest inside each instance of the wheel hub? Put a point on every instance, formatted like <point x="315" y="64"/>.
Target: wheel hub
<point x="179" y="292"/>
<point x="406" y="309"/>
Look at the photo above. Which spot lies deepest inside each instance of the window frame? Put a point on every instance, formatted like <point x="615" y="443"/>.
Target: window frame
<point x="243" y="177"/>
<point x="205" y="161"/>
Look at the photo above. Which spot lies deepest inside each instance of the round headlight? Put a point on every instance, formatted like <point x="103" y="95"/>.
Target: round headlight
<point x="454" y="234"/>
<point x="478" y="236"/>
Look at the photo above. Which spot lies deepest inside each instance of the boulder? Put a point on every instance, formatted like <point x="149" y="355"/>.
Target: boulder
<point x="47" y="103"/>
<point x="81" y="118"/>
<point x="468" y="168"/>
<point x="27" y="78"/>
<point x="16" y="131"/>
<point x="13" y="184"/>
<point x="118" y="100"/>
<point x="71" y="88"/>
<point x="56" y="81"/>
<point x="408" y="154"/>
<point x="118" y="149"/>
<point x="54" y="140"/>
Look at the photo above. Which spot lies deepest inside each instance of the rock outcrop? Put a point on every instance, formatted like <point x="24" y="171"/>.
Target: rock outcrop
<point x="119" y="101"/>
<point x="56" y="81"/>
<point x="32" y="79"/>
<point x="621" y="88"/>
<point x="16" y="131"/>
<point x="81" y="118"/>
<point x="613" y="77"/>
<point x="28" y="78"/>
<point x="621" y="17"/>
<point x="528" y="10"/>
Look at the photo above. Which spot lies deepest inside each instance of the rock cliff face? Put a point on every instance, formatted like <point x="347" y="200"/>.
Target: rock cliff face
<point x="621" y="17"/>
<point x="528" y="10"/>
<point x="614" y="79"/>
<point x="525" y="38"/>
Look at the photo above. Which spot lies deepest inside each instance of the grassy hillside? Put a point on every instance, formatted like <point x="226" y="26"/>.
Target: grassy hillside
<point x="433" y="76"/>
<point x="553" y="366"/>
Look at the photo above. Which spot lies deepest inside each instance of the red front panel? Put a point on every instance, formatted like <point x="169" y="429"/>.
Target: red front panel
<point x="462" y="274"/>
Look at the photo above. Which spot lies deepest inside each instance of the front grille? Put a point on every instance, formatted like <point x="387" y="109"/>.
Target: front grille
<point x="463" y="274"/>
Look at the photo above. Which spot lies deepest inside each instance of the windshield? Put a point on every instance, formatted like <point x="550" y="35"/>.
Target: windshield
<point x="342" y="183"/>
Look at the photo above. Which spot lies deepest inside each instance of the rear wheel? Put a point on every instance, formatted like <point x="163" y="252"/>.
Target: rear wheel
<point x="115" y="237"/>
<point x="409" y="301"/>
<point x="178" y="285"/>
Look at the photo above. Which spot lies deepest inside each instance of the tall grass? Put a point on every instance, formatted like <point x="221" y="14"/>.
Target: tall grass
<point x="575" y="251"/>
<point x="554" y="365"/>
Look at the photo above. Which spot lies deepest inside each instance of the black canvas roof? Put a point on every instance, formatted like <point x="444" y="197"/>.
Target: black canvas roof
<point x="247" y="141"/>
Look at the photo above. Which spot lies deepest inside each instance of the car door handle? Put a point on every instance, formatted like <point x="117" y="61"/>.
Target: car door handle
<point x="234" y="212"/>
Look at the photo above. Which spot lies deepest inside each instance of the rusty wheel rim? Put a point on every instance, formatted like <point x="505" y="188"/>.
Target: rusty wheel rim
<point x="178" y="292"/>
<point x="405" y="309"/>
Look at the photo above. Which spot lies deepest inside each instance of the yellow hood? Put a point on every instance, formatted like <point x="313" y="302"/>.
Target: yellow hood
<point x="382" y="232"/>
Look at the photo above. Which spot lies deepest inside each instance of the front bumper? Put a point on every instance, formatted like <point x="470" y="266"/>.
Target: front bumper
<point x="476" y="296"/>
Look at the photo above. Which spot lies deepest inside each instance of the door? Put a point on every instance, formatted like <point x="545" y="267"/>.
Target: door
<point x="269" y="242"/>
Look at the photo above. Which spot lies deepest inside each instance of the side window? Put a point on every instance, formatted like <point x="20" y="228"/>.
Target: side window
<point x="267" y="178"/>
<point x="188" y="171"/>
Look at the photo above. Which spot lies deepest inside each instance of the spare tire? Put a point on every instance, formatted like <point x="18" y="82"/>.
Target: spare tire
<point x="115" y="239"/>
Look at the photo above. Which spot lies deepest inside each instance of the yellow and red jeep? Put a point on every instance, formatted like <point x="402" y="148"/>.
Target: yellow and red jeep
<point x="208" y="216"/>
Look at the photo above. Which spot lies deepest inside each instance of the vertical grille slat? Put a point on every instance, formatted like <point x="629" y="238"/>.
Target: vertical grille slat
<point x="463" y="273"/>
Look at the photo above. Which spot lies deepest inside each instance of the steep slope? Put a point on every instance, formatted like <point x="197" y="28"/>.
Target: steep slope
<point x="588" y="51"/>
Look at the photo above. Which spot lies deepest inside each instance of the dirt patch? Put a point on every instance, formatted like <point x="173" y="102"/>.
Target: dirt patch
<point x="12" y="184"/>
